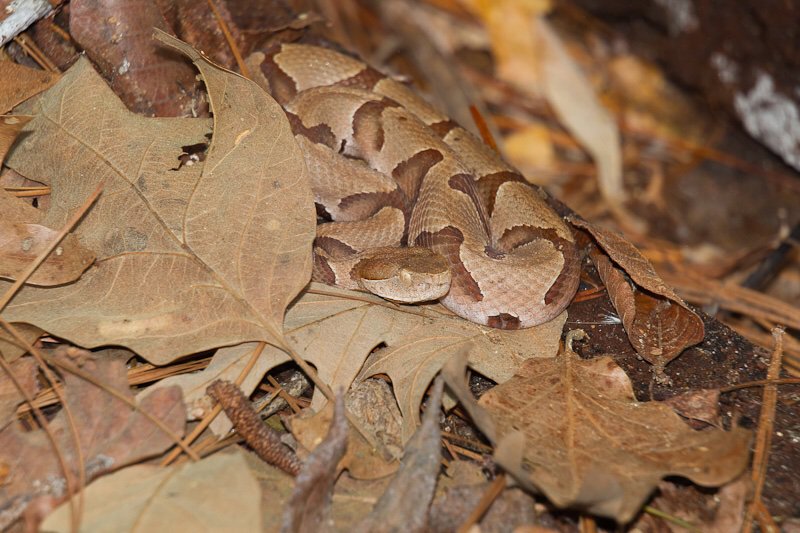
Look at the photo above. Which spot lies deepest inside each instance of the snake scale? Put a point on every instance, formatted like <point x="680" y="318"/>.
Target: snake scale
<point x="418" y="208"/>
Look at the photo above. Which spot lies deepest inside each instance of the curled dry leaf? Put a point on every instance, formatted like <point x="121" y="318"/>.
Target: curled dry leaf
<point x="188" y="257"/>
<point x="111" y="434"/>
<point x="21" y="243"/>
<point x="701" y="405"/>
<point x="219" y="493"/>
<point x="589" y="444"/>
<point x="658" y="323"/>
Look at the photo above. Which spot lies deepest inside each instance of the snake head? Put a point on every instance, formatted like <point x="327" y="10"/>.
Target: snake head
<point x="405" y="275"/>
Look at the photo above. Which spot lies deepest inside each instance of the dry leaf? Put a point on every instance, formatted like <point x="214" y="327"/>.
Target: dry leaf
<point x="412" y="364"/>
<point x="346" y="326"/>
<point x="585" y="442"/>
<point x="511" y="511"/>
<point x="219" y="493"/>
<point x="361" y="460"/>
<point x="10" y="349"/>
<point x="658" y="323"/>
<point x="577" y="107"/>
<point x="21" y="243"/>
<point x="719" y="512"/>
<point x="335" y="330"/>
<point x="10" y="126"/>
<point x="353" y="499"/>
<point x="112" y="435"/>
<point x="22" y="240"/>
<point x="309" y="506"/>
<point x="701" y="405"/>
<point x="14" y="208"/>
<point x="189" y="257"/>
<point x="25" y="371"/>
<point x="18" y="83"/>
<point x="276" y="487"/>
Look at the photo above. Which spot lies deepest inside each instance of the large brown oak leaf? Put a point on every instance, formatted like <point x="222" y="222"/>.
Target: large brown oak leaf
<point x="189" y="257"/>
<point x="572" y="429"/>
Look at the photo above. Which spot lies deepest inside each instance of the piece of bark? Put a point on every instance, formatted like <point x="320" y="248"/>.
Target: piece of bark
<point x="404" y="505"/>
<point x="308" y="508"/>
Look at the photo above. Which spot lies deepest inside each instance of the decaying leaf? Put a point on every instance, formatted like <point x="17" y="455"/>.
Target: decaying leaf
<point x="189" y="257"/>
<point x="383" y="420"/>
<point x="219" y="493"/>
<point x="583" y="440"/>
<point x="21" y="243"/>
<point x="112" y="434"/>
<point x="25" y="371"/>
<point x="658" y="323"/>
<point x="701" y="405"/>
<point x="309" y="506"/>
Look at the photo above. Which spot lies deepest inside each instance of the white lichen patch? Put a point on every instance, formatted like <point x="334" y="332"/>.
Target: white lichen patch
<point x="771" y="117"/>
<point x="124" y="67"/>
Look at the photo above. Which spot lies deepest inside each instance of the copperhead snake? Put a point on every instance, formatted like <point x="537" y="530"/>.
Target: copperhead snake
<point x="419" y="208"/>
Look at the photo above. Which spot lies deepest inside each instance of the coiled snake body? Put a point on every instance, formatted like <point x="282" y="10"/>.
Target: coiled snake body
<point x="420" y="208"/>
